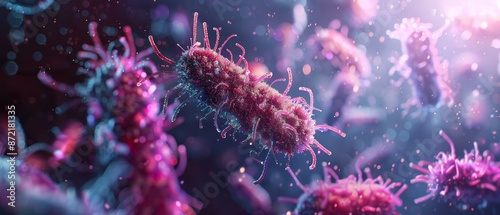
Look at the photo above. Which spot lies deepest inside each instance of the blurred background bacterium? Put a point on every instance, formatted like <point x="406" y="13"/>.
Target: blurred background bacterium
<point x="391" y="74"/>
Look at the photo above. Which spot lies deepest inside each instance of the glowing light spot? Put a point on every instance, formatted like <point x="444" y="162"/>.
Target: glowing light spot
<point x="484" y="25"/>
<point x="391" y="133"/>
<point x="355" y="89"/>
<point x="466" y="35"/>
<point x="306" y="69"/>
<point x="474" y="66"/>
<point x="495" y="43"/>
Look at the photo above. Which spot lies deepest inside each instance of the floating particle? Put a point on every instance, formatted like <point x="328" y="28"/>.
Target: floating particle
<point x="350" y="195"/>
<point x="468" y="182"/>
<point x="221" y="86"/>
<point x="421" y="65"/>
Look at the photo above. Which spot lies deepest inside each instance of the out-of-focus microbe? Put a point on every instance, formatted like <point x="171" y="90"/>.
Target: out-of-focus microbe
<point x="127" y="115"/>
<point x="340" y="50"/>
<point x="345" y="85"/>
<point x="253" y="197"/>
<point x="281" y="123"/>
<point x="354" y="69"/>
<point x="421" y="65"/>
<point x="361" y="11"/>
<point x="349" y="195"/>
<point x="258" y="69"/>
<point x="39" y="7"/>
<point x="475" y="111"/>
<point x="288" y="34"/>
<point x="376" y="151"/>
<point x="468" y="182"/>
<point x="61" y="149"/>
<point x="475" y="18"/>
<point x="40" y="194"/>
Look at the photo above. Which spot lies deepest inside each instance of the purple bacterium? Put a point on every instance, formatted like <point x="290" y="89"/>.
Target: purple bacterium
<point x="127" y="116"/>
<point x="471" y="181"/>
<point x="40" y="193"/>
<point x="353" y="65"/>
<point x="281" y="123"/>
<point x="421" y="65"/>
<point x="349" y="195"/>
<point x="254" y="198"/>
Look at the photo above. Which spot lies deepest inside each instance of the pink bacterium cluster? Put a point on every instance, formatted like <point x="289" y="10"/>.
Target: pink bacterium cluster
<point x="129" y="124"/>
<point x="341" y="51"/>
<point x="349" y="195"/>
<point x="281" y="123"/>
<point x="421" y="65"/>
<point x="468" y="182"/>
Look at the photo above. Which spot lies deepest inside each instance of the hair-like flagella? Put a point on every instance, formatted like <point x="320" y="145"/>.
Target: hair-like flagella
<point x="127" y="116"/>
<point x="349" y="195"/>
